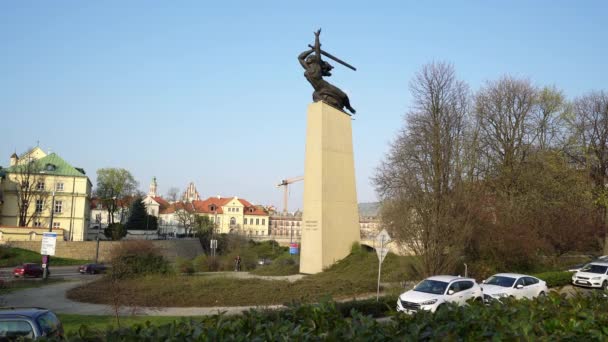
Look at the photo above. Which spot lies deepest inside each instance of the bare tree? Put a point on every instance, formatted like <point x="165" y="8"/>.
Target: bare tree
<point x="420" y="181"/>
<point x="549" y="116"/>
<point x="185" y="216"/>
<point x="31" y="190"/>
<point x="504" y="110"/>
<point x="173" y="194"/>
<point x="590" y="147"/>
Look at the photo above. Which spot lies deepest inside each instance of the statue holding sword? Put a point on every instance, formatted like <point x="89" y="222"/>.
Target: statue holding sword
<point x="316" y="68"/>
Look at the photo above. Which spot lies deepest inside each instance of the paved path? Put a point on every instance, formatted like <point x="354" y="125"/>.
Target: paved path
<point x="54" y="297"/>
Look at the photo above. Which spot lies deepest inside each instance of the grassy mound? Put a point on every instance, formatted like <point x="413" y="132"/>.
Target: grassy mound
<point x="11" y="256"/>
<point x="354" y="276"/>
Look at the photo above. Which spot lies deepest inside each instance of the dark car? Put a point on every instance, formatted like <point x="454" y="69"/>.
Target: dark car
<point x="28" y="270"/>
<point x="92" y="268"/>
<point x="28" y="323"/>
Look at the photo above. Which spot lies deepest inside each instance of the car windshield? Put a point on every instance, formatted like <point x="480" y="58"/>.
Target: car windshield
<point x="500" y="281"/>
<point x="431" y="286"/>
<point x="591" y="268"/>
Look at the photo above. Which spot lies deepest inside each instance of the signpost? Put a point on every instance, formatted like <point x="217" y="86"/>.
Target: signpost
<point x="381" y="240"/>
<point x="47" y="248"/>
<point x="49" y="240"/>
<point x="213" y="246"/>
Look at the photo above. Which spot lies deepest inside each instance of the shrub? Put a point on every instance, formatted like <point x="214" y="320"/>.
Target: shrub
<point x="213" y="264"/>
<point x="137" y="258"/>
<point x="370" y="307"/>
<point x="201" y="263"/>
<point x="555" y="279"/>
<point x="556" y="318"/>
<point x="115" y="231"/>
<point x="184" y="266"/>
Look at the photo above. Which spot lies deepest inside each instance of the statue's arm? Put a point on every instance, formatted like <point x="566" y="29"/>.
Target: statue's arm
<point x="302" y="58"/>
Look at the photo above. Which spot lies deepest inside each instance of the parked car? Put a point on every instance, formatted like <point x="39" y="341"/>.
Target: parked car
<point x="92" y="268"/>
<point x="513" y="285"/>
<point x="593" y="274"/>
<point x="28" y="270"/>
<point x="28" y="323"/>
<point x="577" y="267"/>
<point x="431" y="293"/>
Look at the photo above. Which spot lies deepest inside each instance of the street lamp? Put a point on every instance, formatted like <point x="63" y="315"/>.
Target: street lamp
<point x="98" y="218"/>
<point x="45" y="270"/>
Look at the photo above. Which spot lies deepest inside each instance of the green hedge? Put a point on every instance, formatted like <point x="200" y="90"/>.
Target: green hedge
<point x="553" y="318"/>
<point x="555" y="279"/>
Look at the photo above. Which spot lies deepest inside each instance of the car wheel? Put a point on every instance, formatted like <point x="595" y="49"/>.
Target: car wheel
<point x="542" y="294"/>
<point x="479" y="300"/>
<point x="605" y="285"/>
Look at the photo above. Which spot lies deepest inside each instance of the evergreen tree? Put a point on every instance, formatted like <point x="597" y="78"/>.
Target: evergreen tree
<point x="137" y="215"/>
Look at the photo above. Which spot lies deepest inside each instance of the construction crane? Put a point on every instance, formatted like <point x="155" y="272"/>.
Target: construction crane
<point x="285" y="184"/>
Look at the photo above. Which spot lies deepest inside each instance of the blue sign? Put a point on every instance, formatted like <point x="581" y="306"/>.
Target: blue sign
<point x="293" y="248"/>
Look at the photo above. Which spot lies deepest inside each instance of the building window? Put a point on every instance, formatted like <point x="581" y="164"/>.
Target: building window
<point x="39" y="205"/>
<point x="56" y="224"/>
<point x="58" y="206"/>
<point x="263" y="222"/>
<point x="237" y="209"/>
<point x="257" y="222"/>
<point x="37" y="224"/>
<point x="40" y="185"/>
<point x="59" y="187"/>
<point x="232" y="221"/>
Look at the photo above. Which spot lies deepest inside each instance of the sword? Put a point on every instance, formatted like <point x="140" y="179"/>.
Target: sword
<point x="327" y="54"/>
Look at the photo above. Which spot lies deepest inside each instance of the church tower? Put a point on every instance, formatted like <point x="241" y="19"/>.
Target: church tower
<point x="153" y="185"/>
<point x="191" y="194"/>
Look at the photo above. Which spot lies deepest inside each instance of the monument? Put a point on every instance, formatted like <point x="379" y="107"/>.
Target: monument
<point x="330" y="222"/>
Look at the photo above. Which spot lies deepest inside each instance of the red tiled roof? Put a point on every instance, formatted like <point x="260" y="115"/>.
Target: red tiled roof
<point x="161" y="201"/>
<point x="173" y="207"/>
<point x="206" y="206"/>
<point x="126" y="202"/>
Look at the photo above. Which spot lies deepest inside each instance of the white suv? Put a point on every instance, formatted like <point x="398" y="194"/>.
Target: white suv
<point x="432" y="292"/>
<point x="593" y="274"/>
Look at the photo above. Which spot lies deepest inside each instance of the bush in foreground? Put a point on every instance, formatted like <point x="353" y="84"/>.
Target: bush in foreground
<point x="555" y="279"/>
<point x="552" y="318"/>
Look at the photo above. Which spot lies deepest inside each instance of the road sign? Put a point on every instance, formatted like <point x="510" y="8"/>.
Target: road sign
<point x="382" y="252"/>
<point x="49" y="240"/>
<point x="293" y="248"/>
<point x="383" y="238"/>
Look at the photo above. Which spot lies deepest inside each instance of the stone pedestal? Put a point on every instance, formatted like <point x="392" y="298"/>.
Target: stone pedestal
<point x="330" y="222"/>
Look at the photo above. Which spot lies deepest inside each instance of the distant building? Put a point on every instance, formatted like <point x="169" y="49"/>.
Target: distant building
<point x="37" y="187"/>
<point x="229" y="214"/>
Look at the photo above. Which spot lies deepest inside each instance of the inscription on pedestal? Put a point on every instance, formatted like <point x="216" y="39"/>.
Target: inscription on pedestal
<point x="310" y="225"/>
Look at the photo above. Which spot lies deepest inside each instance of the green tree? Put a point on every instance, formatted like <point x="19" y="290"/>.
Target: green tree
<point x="113" y="185"/>
<point x="115" y="231"/>
<point x="139" y="218"/>
<point x="203" y="229"/>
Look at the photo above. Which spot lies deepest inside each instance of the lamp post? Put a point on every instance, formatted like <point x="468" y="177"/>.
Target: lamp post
<point x="47" y="258"/>
<point x="98" y="229"/>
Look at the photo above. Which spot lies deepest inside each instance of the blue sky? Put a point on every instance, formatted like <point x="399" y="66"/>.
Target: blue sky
<point x="212" y="92"/>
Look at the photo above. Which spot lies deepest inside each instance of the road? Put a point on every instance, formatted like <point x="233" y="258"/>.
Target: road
<point x="66" y="272"/>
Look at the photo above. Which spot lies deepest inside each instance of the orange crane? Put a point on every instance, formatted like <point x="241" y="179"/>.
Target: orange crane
<point x="285" y="184"/>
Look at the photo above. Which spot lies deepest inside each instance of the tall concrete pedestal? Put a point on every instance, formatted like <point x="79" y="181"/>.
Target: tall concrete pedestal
<point x="330" y="222"/>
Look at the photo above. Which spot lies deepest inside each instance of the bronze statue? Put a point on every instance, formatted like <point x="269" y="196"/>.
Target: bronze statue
<point x="316" y="68"/>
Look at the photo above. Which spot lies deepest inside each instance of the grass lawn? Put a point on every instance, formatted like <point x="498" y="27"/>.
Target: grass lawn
<point x="354" y="276"/>
<point x="71" y="323"/>
<point x="10" y="256"/>
<point x="20" y="284"/>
